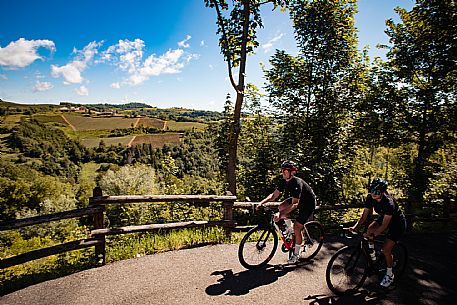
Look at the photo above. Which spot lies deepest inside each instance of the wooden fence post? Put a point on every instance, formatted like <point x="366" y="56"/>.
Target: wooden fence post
<point x="228" y="216"/>
<point x="100" y="250"/>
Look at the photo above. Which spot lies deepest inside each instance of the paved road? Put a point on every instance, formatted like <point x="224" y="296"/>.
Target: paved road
<point x="213" y="275"/>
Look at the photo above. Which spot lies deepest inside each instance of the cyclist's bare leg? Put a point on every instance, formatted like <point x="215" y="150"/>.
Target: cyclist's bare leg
<point x="298" y="227"/>
<point x="387" y="251"/>
<point x="372" y="228"/>
<point x="283" y="207"/>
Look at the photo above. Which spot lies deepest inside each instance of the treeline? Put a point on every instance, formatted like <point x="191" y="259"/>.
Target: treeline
<point x="103" y="107"/>
<point x="347" y="119"/>
<point x="178" y="114"/>
<point x="7" y="108"/>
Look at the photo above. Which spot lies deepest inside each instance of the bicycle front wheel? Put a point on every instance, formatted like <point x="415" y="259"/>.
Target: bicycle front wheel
<point x="346" y="270"/>
<point x="257" y="247"/>
<point x="313" y="238"/>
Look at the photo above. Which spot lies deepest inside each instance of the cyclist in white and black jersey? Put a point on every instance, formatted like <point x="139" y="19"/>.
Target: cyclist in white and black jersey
<point x="390" y="218"/>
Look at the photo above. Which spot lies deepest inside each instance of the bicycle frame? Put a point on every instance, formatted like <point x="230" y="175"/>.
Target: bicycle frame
<point x="260" y="243"/>
<point x="289" y="244"/>
<point x="363" y="250"/>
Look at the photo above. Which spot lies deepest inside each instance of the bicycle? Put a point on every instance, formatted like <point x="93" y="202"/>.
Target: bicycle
<point x="350" y="266"/>
<point x="260" y="243"/>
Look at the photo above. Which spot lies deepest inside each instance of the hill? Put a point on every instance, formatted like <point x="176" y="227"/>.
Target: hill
<point x="125" y="125"/>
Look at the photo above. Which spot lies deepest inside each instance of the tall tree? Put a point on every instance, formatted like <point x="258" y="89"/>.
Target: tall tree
<point x="315" y="91"/>
<point x="423" y="61"/>
<point x="258" y="157"/>
<point x="237" y="27"/>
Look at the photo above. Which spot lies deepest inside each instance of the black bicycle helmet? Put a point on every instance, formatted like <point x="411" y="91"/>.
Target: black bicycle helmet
<point x="289" y="165"/>
<point x="377" y="184"/>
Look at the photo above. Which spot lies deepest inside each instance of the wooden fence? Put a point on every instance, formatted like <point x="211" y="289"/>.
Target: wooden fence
<point x="96" y="208"/>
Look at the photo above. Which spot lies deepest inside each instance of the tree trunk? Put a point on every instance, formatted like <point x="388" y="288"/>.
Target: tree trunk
<point x="236" y="127"/>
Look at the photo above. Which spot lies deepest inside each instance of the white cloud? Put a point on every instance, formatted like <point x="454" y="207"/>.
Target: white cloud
<point x="3" y="76"/>
<point x="42" y="86"/>
<point x="82" y="91"/>
<point x="183" y="43"/>
<point x="71" y="72"/>
<point x="128" y="56"/>
<point x="202" y="43"/>
<point x="21" y="53"/>
<point x="115" y="85"/>
<point x="269" y="45"/>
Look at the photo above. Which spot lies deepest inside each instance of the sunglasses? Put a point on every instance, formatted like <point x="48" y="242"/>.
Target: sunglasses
<point x="375" y="192"/>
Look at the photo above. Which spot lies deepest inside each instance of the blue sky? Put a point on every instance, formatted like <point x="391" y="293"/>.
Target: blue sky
<point x="163" y="53"/>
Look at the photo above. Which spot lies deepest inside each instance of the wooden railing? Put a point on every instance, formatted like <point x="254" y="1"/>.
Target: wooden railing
<point x="97" y="239"/>
<point x="96" y="208"/>
<point x="36" y="254"/>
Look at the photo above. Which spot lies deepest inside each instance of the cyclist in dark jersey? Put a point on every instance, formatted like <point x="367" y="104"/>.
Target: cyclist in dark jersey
<point x="299" y="196"/>
<point x="390" y="217"/>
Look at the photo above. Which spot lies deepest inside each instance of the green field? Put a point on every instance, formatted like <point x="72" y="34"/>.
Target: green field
<point x="49" y="118"/>
<point x="94" y="142"/>
<point x="10" y="121"/>
<point x="158" y="140"/>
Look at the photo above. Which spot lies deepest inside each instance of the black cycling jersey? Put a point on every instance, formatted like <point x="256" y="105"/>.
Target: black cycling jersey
<point x="387" y="206"/>
<point x="298" y="188"/>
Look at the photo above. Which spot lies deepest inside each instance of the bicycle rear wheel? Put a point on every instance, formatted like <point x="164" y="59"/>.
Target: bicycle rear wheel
<point x="346" y="270"/>
<point x="313" y="238"/>
<point x="257" y="247"/>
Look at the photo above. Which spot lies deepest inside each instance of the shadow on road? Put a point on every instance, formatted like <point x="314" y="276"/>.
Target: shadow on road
<point x="243" y="282"/>
<point x="361" y="297"/>
<point x="430" y="276"/>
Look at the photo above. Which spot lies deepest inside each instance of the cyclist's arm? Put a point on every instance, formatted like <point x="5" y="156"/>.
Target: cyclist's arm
<point x="293" y="206"/>
<point x="271" y="197"/>
<point x="385" y="223"/>
<point x="363" y="218"/>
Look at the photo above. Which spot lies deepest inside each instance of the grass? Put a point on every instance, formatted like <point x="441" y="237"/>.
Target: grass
<point x="50" y="118"/>
<point x="11" y="120"/>
<point x="134" y="245"/>
<point x="94" y="142"/>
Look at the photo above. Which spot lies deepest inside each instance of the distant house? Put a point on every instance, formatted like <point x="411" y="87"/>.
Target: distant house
<point x="79" y="109"/>
<point x="73" y="109"/>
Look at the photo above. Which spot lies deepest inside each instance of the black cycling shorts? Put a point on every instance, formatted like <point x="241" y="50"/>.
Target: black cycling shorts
<point x="302" y="213"/>
<point x="396" y="228"/>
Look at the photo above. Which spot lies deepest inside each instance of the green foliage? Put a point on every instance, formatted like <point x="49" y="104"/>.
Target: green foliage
<point x="59" y="154"/>
<point x="23" y="189"/>
<point x="423" y="59"/>
<point x="315" y="93"/>
<point x="332" y="113"/>
<point x="258" y="159"/>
